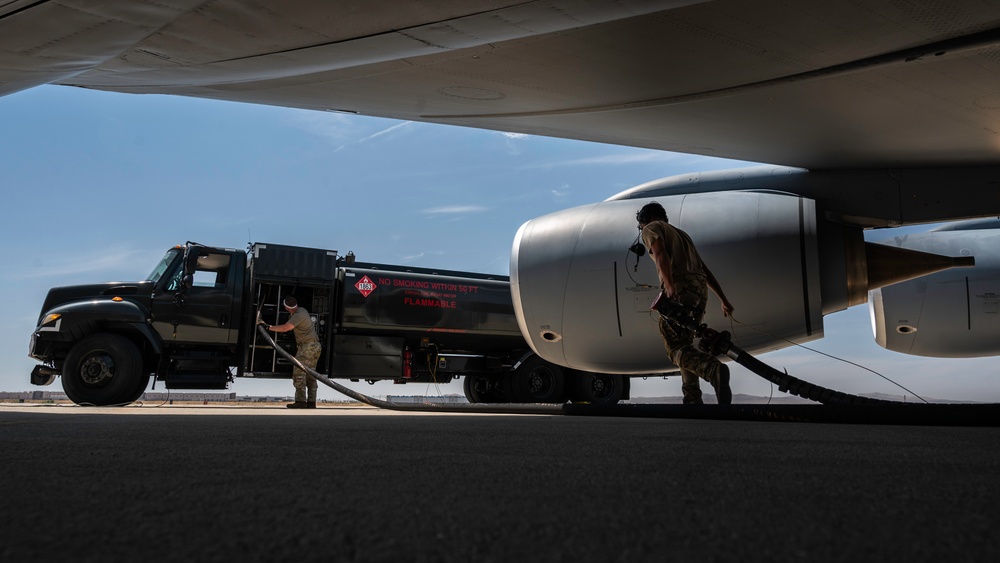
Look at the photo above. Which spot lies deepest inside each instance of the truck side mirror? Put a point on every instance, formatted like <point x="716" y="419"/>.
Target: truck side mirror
<point x="188" y="269"/>
<point x="190" y="263"/>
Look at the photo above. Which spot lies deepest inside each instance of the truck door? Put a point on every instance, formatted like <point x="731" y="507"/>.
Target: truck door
<point x="207" y="312"/>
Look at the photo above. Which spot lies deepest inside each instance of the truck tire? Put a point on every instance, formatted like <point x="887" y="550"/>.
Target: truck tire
<point x="141" y="383"/>
<point x="536" y="381"/>
<point x="598" y="388"/>
<point x="484" y="389"/>
<point x="103" y="369"/>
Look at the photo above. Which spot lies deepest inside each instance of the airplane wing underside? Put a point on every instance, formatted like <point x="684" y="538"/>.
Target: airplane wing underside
<point x="851" y="84"/>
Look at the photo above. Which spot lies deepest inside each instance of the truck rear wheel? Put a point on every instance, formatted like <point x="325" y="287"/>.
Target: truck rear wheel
<point x="598" y="388"/>
<point x="483" y="389"/>
<point x="103" y="369"/>
<point x="536" y="381"/>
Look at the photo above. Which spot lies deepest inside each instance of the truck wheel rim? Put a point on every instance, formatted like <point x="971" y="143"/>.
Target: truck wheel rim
<point x="601" y="386"/>
<point x="97" y="368"/>
<point x="540" y="382"/>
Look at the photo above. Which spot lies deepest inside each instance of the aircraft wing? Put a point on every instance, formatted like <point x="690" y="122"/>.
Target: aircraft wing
<point x="820" y="85"/>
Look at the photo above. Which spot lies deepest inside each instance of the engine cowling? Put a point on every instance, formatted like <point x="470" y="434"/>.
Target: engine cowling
<point x="582" y="299"/>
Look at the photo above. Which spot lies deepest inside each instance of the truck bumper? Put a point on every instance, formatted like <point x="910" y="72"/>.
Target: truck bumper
<point x="40" y="347"/>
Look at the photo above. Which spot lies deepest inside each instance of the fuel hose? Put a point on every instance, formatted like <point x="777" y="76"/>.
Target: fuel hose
<point x="498" y="408"/>
<point x="716" y="343"/>
<point x="835" y="406"/>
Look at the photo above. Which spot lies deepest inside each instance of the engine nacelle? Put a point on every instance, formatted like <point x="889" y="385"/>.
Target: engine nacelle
<point x="950" y="314"/>
<point x="582" y="299"/>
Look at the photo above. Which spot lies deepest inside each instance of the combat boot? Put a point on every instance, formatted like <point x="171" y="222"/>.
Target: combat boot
<point x="722" y="389"/>
<point x="298" y="405"/>
<point x="311" y="404"/>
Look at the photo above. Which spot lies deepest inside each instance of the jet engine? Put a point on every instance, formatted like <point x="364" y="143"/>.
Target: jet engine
<point x="582" y="297"/>
<point x="949" y="314"/>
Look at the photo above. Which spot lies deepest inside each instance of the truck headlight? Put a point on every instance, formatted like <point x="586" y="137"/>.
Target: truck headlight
<point x="51" y="322"/>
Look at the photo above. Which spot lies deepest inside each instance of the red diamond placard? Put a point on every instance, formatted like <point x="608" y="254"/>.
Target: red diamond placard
<point x="365" y="285"/>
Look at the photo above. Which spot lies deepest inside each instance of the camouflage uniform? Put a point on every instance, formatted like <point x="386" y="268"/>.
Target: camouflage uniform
<point x="690" y="290"/>
<point x="307" y="351"/>
<point x="305" y="386"/>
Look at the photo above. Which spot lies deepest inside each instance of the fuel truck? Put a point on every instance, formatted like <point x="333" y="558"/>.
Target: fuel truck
<point x="191" y="324"/>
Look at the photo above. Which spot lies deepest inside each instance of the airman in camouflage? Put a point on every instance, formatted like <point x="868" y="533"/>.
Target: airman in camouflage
<point x="679" y="342"/>
<point x="307" y="351"/>
<point x="684" y="277"/>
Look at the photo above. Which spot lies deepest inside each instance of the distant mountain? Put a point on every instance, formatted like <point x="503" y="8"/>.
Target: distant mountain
<point x="738" y="399"/>
<point x="782" y="399"/>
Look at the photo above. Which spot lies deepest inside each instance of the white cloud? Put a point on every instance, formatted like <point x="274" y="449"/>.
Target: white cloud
<point x="412" y="258"/>
<point x="342" y="129"/>
<point x="333" y="126"/>
<point x="510" y="141"/>
<point x="387" y="131"/>
<point x="632" y="158"/>
<point x="455" y="209"/>
<point x="107" y="261"/>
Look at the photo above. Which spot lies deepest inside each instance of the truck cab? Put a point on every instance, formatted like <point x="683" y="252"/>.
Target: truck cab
<point x="181" y="323"/>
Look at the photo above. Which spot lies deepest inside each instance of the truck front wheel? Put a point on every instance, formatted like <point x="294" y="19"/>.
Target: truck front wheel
<point x="103" y="369"/>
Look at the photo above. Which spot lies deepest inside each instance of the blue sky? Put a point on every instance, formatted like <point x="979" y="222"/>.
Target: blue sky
<point x="97" y="186"/>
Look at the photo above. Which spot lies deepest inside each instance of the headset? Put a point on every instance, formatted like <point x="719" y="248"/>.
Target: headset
<point x="650" y="212"/>
<point x="637" y="247"/>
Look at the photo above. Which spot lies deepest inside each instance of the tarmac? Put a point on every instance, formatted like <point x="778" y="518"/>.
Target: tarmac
<point x="360" y="484"/>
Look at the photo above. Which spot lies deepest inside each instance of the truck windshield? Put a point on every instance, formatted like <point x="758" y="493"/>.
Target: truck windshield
<point x="165" y="263"/>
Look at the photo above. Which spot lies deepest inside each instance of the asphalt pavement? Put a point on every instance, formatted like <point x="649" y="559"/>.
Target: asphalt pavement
<point x="358" y="484"/>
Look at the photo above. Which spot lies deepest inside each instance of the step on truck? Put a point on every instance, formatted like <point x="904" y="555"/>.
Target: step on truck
<point x="190" y="324"/>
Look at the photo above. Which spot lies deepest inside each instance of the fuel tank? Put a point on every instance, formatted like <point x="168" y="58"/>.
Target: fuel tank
<point x="456" y="311"/>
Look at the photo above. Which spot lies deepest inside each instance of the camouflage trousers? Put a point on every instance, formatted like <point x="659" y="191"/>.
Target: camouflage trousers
<point x="692" y="291"/>
<point x="305" y="386"/>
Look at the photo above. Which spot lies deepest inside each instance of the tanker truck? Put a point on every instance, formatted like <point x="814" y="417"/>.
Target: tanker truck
<point x="190" y="325"/>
